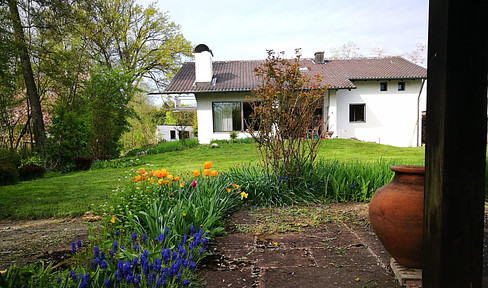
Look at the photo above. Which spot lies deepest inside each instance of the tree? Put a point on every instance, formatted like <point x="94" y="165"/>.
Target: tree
<point x="285" y="107"/>
<point x="143" y="126"/>
<point x="142" y="41"/>
<point x="346" y="51"/>
<point x="107" y="93"/>
<point x="23" y="53"/>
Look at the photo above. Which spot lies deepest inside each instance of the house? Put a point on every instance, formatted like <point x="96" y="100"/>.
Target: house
<point x="173" y="132"/>
<point x="369" y="99"/>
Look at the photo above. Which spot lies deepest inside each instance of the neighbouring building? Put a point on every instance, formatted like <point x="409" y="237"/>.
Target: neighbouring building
<point x="369" y="99"/>
<point x="173" y="132"/>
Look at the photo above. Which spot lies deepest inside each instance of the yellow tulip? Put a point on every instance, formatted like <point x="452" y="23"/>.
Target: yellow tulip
<point x="113" y="219"/>
<point x="182" y="184"/>
<point x="243" y="195"/>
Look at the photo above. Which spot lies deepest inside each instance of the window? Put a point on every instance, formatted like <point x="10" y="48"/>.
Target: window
<point x="401" y="86"/>
<point x="357" y="112"/>
<point x="231" y="116"/>
<point x="227" y="116"/>
<point x="184" y="135"/>
<point x="172" y="134"/>
<point x="383" y="86"/>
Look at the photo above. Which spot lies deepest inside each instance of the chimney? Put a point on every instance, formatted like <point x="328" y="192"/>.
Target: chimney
<point x="319" y="57"/>
<point x="203" y="64"/>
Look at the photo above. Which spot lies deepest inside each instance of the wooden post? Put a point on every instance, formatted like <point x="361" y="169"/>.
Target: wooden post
<point x="456" y="143"/>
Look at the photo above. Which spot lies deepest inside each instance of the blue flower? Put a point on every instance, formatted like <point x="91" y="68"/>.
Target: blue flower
<point x="111" y="253"/>
<point x="116" y="233"/>
<point x="115" y="245"/>
<point x="134" y="236"/>
<point x="134" y="262"/>
<point x="186" y="283"/>
<point x="72" y="274"/>
<point x="137" y="280"/>
<point x="79" y="243"/>
<point x="166" y="231"/>
<point x="107" y="282"/>
<point x="96" y="252"/>
<point x="192" y="229"/>
<point x="102" y="255"/>
<point x="161" y="237"/>
<point x="73" y="248"/>
<point x="143" y="238"/>
<point x="58" y="280"/>
<point x="104" y="264"/>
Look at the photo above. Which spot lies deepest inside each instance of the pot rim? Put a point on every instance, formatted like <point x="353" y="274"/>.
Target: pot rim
<point x="411" y="169"/>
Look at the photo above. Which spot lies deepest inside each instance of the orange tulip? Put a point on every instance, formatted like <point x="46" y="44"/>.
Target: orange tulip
<point x="164" y="173"/>
<point x="196" y="173"/>
<point x="141" y="171"/>
<point x="214" y="173"/>
<point x="182" y="184"/>
<point x="207" y="165"/>
<point x="138" y="178"/>
<point x="206" y="172"/>
<point x="177" y="178"/>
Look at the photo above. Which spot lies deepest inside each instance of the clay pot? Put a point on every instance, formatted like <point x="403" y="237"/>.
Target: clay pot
<point x="396" y="214"/>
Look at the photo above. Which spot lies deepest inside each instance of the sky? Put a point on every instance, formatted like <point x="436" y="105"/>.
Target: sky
<point x="244" y="30"/>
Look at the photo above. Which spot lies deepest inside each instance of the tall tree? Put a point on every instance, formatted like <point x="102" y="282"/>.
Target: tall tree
<point x="127" y="36"/>
<point x="23" y="54"/>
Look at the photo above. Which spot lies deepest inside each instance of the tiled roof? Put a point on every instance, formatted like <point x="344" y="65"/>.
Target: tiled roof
<point x="337" y="74"/>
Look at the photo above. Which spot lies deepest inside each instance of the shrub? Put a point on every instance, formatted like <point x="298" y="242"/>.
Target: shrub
<point x="82" y="162"/>
<point x="8" y="174"/>
<point x="10" y="156"/>
<point x="31" y="171"/>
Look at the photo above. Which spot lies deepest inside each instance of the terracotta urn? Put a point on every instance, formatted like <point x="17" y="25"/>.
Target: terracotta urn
<point x="396" y="214"/>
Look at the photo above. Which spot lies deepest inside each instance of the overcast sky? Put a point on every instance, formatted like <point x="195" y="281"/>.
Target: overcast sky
<point x="243" y="30"/>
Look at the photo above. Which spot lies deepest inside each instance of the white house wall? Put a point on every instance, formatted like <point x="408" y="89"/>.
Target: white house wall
<point x="204" y="115"/>
<point x="391" y="116"/>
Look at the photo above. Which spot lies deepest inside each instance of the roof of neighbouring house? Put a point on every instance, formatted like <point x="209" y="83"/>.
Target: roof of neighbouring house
<point x="337" y="74"/>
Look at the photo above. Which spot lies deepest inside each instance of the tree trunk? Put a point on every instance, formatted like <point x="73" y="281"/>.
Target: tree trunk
<point x="35" y="104"/>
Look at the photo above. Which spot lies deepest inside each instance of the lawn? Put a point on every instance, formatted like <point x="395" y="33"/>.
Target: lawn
<point x="75" y="193"/>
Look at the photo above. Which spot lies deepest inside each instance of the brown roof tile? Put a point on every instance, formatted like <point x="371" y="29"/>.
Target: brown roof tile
<point x="239" y="75"/>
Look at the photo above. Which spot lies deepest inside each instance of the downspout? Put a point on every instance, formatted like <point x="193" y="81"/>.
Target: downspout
<point x="418" y="111"/>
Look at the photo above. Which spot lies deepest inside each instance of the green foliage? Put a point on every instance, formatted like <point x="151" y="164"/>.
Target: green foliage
<point x="31" y="171"/>
<point x="285" y="107"/>
<point x="33" y="275"/>
<point x="325" y="181"/>
<point x="8" y="155"/>
<point x="143" y="127"/>
<point x="233" y="136"/>
<point x="173" y="146"/>
<point x="82" y="162"/>
<point x="159" y="200"/>
<point x="108" y="92"/>
<point x="8" y="174"/>
<point x="69" y="136"/>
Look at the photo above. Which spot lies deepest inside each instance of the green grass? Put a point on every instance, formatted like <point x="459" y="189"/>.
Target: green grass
<point x="75" y="193"/>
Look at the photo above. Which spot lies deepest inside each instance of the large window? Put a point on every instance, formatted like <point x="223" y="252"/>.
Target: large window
<point x="230" y="116"/>
<point x="357" y="112"/>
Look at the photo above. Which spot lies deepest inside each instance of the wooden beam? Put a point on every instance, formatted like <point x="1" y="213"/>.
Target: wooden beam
<point x="456" y="143"/>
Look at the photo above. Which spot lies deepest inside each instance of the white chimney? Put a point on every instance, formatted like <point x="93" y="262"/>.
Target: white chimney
<point x="203" y="64"/>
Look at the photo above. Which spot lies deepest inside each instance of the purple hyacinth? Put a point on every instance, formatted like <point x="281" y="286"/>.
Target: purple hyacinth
<point x="58" y="280"/>
<point x="72" y="274"/>
<point x="116" y="233"/>
<point x="107" y="282"/>
<point x="134" y="262"/>
<point x="79" y="243"/>
<point x="115" y="245"/>
<point x="73" y="248"/>
<point x="186" y="283"/>
<point x="104" y="264"/>
<point x="96" y="252"/>
<point x="111" y="253"/>
<point x="134" y="236"/>
<point x="166" y="231"/>
<point x="161" y="237"/>
<point x="137" y="280"/>
<point x="192" y="230"/>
